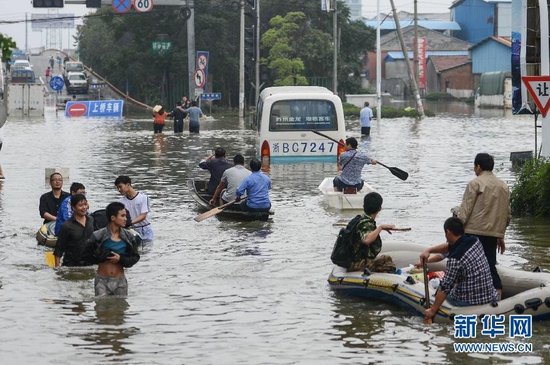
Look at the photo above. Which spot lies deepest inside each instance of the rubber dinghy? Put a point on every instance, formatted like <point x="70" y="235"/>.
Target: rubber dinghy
<point x="341" y="200"/>
<point x="523" y="292"/>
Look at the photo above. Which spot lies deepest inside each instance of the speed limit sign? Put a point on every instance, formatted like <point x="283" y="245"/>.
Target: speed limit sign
<point x="143" y="6"/>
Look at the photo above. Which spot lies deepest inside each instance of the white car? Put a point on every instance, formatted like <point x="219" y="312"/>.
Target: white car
<point x="21" y="64"/>
<point x="77" y="82"/>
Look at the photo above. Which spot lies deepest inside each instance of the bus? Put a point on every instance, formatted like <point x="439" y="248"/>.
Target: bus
<point x="286" y="117"/>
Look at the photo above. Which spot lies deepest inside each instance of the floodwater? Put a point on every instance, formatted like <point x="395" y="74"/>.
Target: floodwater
<point x="239" y="293"/>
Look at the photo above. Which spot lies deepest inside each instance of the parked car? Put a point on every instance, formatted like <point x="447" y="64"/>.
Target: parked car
<point x="73" y="66"/>
<point x="22" y="75"/>
<point x="21" y="64"/>
<point x="76" y="83"/>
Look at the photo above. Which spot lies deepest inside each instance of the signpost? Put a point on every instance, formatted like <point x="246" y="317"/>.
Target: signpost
<point x="122" y="6"/>
<point x="161" y="47"/>
<point x="143" y="6"/>
<point x="57" y="83"/>
<point x="95" y="108"/>
<point x="539" y="89"/>
<point x="200" y="78"/>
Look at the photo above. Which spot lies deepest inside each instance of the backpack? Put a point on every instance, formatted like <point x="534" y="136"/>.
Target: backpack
<point x="342" y="252"/>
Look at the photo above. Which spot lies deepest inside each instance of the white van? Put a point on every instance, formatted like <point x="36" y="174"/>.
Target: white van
<point x="287" y="115"/>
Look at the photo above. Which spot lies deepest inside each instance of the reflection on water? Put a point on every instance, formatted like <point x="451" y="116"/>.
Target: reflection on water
<point x="251" y="292"/>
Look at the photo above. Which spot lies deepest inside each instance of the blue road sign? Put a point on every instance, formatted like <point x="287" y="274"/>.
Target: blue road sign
<point x="211" y="96"/>
<point x="95" y="108"/>
<point x="57" y="83"/>
<point x="122" y="6"/>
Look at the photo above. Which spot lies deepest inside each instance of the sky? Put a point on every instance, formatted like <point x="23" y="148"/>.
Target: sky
<point x="11" y="10"/>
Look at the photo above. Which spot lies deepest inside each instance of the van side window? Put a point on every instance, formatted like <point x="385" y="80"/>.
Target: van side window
<point x="303" y="115"/>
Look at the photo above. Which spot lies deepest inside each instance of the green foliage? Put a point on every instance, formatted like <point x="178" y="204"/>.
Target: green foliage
<point x="350" y="109"/>
<point x="118" y="46"/>
<point x="387" y="112"/>
<point x="531" y="193"/>
<point x="6" y="46"/>
<point x="439" y="96"/>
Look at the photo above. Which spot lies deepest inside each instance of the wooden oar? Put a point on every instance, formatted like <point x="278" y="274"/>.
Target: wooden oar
<point x="426" y="289"/>
<point x="403" y="175"/>
<point x="213" y="212"/>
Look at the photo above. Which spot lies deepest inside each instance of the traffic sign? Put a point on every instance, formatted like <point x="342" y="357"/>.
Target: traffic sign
<point x="161" y="47"/>
<point x="143" y="6"/>
<point x="202" y="61"/>
<point x="57" y="83"/>
<point x="122" y="6"/>
<point x="539" y="89"/>
<point x="211" y="96"/>
<point x="200" y="78"/>
<point x="76" y="109"/>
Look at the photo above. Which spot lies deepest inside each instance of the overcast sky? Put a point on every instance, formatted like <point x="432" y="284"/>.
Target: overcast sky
<point x="11" y="10"/>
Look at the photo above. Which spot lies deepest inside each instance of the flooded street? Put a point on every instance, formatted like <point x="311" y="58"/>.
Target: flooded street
<point x="228" y="292"/>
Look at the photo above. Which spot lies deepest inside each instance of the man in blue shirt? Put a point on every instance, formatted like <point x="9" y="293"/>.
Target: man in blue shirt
<point x="351" y="163"/>
<point x="365" y="116"/>
<point x="257" y="186"/>
<point x="216" y="164"/>
<point x="194" y="116"/>
<point x="65" y="210"/>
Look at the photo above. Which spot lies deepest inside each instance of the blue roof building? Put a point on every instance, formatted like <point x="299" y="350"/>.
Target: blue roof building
<point x="492" y="54"/>
<point x="479" y="19"/>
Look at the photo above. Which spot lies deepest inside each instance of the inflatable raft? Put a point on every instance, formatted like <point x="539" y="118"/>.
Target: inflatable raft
<point x="45" y="235"/>
<point x="341" y="200"/>
<point x="523" y="292"/>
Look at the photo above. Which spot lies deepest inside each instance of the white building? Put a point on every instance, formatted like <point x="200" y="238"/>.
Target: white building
<point x="356" y="8"/>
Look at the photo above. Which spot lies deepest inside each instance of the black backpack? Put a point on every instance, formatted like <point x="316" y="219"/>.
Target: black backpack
<point x="342" y="252"/>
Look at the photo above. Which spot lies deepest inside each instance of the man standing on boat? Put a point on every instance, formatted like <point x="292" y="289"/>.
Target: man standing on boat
<point x="137" y="204"/>
<point x="467" y="279"/>
<point x="485" y="211"/>
<point x="230" y="181"/>
<point x="351" y="164"/>
<point x="257" y="186"/>
<point x="365" y="116"/>
<point x="50" y="201"/>
<point x="216" y="164"/>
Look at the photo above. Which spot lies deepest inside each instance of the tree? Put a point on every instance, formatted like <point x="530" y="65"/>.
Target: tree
<point x="7" y="44"/>
<point x="288" y="42"/>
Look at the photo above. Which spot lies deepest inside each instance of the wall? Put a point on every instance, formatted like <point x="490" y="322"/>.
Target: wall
<point x="459" y="78"/>
<point x="504" y="20"/>
<point x="476" y="18"/>
<point x="491" y="56"/>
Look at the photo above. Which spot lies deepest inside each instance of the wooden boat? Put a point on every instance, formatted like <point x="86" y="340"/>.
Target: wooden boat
<point x="198" y="190"/>
<point x="343" y="200"/>
<point x="524" y="292"/>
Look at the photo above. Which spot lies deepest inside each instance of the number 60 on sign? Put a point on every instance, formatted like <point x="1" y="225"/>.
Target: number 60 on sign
<point x="143" y="6"/>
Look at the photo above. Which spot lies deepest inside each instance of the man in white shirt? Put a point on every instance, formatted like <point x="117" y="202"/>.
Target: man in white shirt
<point x="230" y="181"/>
<point x="137" y="204"/>
<point x="365" y="116"/>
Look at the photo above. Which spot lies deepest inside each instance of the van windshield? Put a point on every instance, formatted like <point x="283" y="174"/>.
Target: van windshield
<point x="303" y="115"/>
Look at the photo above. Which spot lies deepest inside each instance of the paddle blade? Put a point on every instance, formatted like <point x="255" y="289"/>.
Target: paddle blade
<point x="49" y="258"/>
<point x="208" y="214"/>
<point x="399" y="173"/>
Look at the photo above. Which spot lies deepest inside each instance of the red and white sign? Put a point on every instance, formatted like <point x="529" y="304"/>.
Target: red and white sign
<point x="77" y="110"/>
<point x="422" y="45"/>
<point x="200" y="78"/>
<point x="539" y="89"/>
<point x="143" y="6"/>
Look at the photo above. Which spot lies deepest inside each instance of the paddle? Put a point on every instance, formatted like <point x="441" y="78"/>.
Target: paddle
<point x="403" y="175"/>
<point x="426" y="289"/>
<point x="213" y="212"/>
<point x="49" y="258"/>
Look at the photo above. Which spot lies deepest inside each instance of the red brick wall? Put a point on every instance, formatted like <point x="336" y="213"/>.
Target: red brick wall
<point x="457" y="78"/>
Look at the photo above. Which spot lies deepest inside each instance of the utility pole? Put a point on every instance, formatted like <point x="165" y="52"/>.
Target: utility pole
<point x="257" y="58"/>
<point x="26" y="34"/>
<point x="378" y="66"/>
<point x="415" y="49"/>
<point x="191" y="49"/>
<point x="335" y="54"/>
<point x="241" y="64"/>
<point x="412" y="79"/>
<point x="544" y="70"/>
